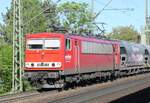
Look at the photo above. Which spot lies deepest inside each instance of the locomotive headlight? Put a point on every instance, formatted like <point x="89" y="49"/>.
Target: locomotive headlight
<point x="53" y="64"/>
<point x="58" y="64"/>
<point x="32" y="64"/>
<point x="27" y="64"/>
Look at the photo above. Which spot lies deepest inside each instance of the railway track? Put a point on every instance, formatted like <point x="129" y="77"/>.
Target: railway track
<point x="108" y="93"/>
<point x="22" y="96"/>
<point x="13" y="97"/>
<point x="78" y="95"/>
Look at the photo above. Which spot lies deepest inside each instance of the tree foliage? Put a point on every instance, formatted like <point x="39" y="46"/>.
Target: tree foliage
<point x="127" y="33"/>
<point x="5" y="67"/>
<point x="75" y="16"/>
<point x="51" y="14"/>
<point x="30" y="9"/>
<point x="6" y="27"/>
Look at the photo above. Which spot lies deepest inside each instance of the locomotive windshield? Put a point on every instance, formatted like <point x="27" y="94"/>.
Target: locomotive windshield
<point x="35" y="44"/>
<point x="52" y="44"/>
<point x="43" y="44"/>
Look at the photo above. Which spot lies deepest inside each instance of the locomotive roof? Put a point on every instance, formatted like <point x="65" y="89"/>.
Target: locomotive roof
<point x="74" y="36"/>
<point x="43" y="35"/>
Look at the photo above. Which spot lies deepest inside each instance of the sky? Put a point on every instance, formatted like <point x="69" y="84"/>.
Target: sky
<point x="111" y="18"/>
<point x="3" y="7"/>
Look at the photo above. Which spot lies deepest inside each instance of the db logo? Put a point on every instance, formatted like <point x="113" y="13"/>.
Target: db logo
<point x="68" y="57"/>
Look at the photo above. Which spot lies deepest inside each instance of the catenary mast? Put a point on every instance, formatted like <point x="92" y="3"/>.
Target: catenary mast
<point x="17" y="48"/>
<point x="145" y="36"/>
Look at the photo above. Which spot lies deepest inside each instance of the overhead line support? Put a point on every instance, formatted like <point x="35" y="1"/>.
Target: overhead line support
<point x="17" y="48"/>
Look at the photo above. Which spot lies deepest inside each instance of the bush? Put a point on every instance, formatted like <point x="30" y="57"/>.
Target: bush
<point x="5" y="68"/>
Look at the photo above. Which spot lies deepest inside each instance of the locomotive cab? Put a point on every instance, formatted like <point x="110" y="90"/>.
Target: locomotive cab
<point x="43" y="53"/>
<point x="44" y="57"/>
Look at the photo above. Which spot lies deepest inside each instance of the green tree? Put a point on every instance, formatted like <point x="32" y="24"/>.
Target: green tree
<point x="30" y="8"/>
<point x="5" y="67"/>
<point x="127" y="33"/>
<point x="51" y="14"/>
<point x="75" y="16"/>
<point x="6" y="27"/>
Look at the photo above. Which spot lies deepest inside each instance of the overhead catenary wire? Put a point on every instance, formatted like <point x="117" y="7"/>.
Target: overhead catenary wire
<point x="122" y="9"/>
<point x="102" y="9"/>
<point x="111" y="8"/>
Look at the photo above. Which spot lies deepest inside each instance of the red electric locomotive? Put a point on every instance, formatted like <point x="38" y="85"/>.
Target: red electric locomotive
<point x="54" y="59"/>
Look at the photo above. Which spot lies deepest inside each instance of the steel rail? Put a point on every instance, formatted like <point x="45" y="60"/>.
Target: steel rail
<point x="22" y="95"/>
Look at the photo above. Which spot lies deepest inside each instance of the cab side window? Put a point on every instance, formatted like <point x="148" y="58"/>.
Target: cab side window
<point x="68" y="44"/>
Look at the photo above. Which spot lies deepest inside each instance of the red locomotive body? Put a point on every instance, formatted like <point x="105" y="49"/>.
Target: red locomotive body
<point x="90" y="55"/>
<point x="44" y="52"/>
<point x="56" y="55"/>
